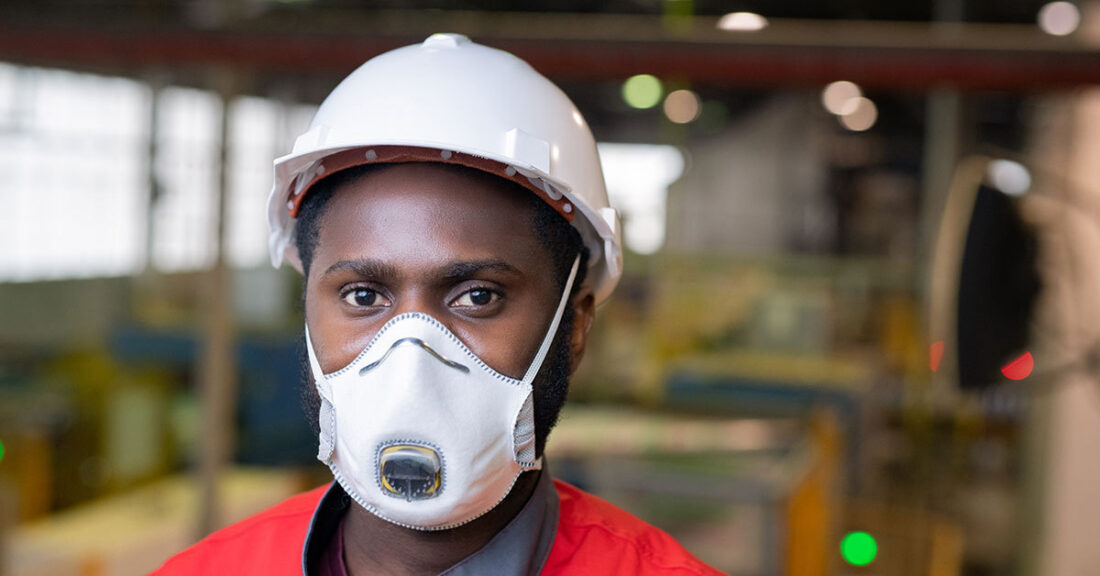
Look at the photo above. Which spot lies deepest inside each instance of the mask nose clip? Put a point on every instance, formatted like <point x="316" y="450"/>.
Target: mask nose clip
<point x="414" y="342"/>
<point x="410" y="472"/>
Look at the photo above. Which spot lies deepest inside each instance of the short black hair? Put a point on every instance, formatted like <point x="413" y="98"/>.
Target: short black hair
<point x="562" y="242"/>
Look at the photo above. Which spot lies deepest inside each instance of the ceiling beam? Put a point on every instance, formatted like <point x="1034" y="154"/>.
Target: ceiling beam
<point x="583" y="47"/>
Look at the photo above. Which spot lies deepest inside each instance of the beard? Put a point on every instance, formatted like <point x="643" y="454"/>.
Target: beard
<point x="550" y="386"/>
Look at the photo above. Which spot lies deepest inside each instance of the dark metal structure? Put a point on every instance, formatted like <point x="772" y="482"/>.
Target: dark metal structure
<point x="606" y="41"/>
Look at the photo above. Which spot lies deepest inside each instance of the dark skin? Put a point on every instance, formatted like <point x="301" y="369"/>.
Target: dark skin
<point x="458" y="246"/>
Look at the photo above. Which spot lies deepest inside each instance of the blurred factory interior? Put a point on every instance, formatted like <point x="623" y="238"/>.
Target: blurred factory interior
<point x="856" y="335"/>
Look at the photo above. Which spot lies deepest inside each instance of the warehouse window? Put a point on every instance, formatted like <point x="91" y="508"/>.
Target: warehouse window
<point x="74" y="155"/>
<point x="71" y="189"/>
<point x="187" y="156"/>
<point x="638" y="177"/>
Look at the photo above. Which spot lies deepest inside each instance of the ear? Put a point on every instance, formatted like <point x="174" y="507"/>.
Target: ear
<point x="584" y="311"/>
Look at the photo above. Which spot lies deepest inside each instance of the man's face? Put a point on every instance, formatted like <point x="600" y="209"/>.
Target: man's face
<point x="453" y="244"/>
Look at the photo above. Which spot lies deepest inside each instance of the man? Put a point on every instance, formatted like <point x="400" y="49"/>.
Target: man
<point x="449" y="215"/>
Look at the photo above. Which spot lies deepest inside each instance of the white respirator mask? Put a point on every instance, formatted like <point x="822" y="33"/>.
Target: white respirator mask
<point x="420" y="431"/>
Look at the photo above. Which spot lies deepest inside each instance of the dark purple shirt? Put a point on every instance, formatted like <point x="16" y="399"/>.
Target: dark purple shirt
<point x="332" y="561"/>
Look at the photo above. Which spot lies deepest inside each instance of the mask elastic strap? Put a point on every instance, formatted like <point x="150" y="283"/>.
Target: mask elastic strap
<point x="544" y="349"/>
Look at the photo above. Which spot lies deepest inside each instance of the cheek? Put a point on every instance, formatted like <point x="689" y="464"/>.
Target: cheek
<point x="347" y="347"/>
<point x="508" y="347"/>
<point x="336" y="341"/>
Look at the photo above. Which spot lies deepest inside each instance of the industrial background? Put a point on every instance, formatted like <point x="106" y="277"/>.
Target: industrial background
<point x="857" y="332"/>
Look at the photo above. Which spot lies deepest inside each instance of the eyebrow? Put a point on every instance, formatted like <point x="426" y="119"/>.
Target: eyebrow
<point x="378" y="270"/>
<point x="467" y="269"/>
<point x="365" y="267"/>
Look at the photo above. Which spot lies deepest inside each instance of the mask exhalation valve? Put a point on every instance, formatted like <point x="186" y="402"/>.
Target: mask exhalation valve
<point x="410" y="472"/>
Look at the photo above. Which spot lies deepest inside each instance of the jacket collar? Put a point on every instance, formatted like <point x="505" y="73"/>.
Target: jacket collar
<point x="519" y="549"/>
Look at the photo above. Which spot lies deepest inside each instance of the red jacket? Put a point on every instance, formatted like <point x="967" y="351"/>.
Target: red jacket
<point x="593" y="537"/>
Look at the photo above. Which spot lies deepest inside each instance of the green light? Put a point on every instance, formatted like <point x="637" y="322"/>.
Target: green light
<point x="858" y="548"/>
<point x="642" y="91"/>
<point x="1" y="451"/>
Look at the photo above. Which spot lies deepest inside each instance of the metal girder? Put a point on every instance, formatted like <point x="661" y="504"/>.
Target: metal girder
<point x="584" y="47"/>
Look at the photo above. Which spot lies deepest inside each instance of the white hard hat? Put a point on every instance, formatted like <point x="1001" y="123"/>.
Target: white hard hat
<point x="453" y="101"/>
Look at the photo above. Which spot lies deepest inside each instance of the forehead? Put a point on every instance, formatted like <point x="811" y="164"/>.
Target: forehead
<point x="423" y="210"/>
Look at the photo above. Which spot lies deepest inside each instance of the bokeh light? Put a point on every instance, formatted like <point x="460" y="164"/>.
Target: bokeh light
<point x="1009" y="177"/>
<point x="1" y="450"/>
<point x="1019" y="368"/>
<point x="859" y="114"/>
<point x="935" y="354"/>
<point x="858" y="548"/>
<point x="682" y="106"/>
<point x="642" y="91"/>
<point x="742" y="22"/>
<point x="837" y="94"/>
<point x="1059" y="18"/>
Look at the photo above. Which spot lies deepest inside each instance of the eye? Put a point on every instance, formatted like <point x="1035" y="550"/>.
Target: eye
<point x="361" y="297"/>
<point x="476" y="297"/>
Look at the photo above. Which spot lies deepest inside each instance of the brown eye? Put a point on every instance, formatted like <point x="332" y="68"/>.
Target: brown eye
<point x="476" y="297"/>
<point x="363" y="298"/>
